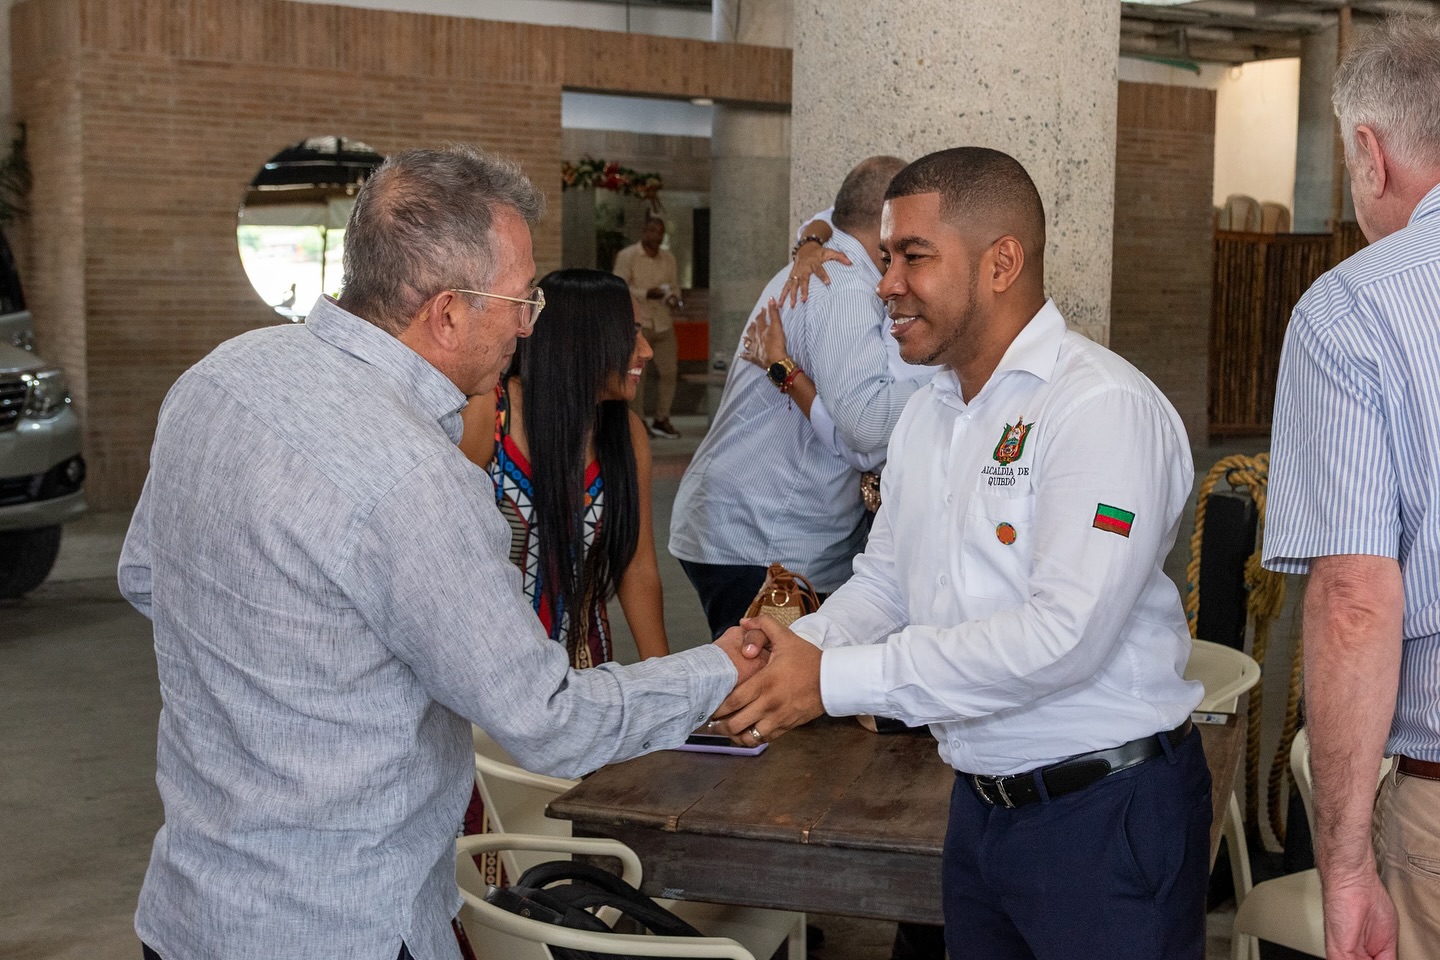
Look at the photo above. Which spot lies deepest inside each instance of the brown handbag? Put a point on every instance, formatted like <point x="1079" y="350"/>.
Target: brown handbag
<point x="870" y="491"/>
<point x="785" y="595"/>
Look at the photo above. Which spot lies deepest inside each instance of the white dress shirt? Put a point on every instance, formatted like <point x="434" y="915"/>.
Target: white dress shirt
<point x="1065" y="639"/>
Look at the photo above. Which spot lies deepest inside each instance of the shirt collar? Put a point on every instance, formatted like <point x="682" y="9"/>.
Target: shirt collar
<point x="1429" y="206"/>
<point x="432" y="393"/>
<point x="1034" y="350"/>
<point x="855" y="250"/>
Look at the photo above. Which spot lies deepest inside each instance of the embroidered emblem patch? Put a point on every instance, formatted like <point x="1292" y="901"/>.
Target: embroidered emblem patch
<point x="1005" y="533"/>
<point x="1113" y="519"/>
<point x="1012" y="441"/>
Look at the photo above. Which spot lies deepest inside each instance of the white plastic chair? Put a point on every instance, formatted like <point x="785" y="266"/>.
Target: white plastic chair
<point x="515" y="802"/>
<point x="1227" y="674"/>
<point x="1288" y="910"/>
<point x="522" y="930"/>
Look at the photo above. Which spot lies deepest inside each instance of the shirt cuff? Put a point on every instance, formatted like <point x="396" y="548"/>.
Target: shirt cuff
<point x="712" y="677"/>
<point x="852" y="680"/>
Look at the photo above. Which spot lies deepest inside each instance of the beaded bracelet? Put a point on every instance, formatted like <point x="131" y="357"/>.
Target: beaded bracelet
<point x="808" y="238"/>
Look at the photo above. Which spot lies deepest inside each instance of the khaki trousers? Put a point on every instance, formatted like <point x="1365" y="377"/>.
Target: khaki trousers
<point x="667" y="366"/>
<point x="1407" y="851"/>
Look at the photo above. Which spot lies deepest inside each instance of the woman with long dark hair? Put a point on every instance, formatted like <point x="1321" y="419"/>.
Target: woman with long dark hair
<point x="571" y="466"/>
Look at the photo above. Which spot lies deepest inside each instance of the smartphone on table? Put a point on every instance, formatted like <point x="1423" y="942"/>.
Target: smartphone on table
<point x="703" y="742"/>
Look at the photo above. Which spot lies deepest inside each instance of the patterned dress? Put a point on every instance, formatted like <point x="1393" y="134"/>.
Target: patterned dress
<point x="514" y="495"/>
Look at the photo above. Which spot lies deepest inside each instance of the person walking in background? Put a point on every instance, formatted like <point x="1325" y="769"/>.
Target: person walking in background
<point x="650" y="274"/>
<point x="1354" y="479"/>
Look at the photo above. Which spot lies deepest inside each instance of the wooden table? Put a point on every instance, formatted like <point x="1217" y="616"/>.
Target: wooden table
<point x="830" y="819"/>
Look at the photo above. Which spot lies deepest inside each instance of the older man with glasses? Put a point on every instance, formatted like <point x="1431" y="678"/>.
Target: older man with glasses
<point x="334" y="604"/>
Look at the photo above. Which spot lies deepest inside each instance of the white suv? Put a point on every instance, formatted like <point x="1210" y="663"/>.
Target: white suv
<point x="41" y="470"/>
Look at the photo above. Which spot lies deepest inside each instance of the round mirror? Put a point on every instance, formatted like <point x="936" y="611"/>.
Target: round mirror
<point x="291" y="232"/>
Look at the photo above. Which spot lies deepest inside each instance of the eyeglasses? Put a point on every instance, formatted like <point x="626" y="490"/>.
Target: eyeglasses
<point x="535" y="303"/>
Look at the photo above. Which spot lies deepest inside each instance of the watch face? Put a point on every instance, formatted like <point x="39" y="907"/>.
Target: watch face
<point x="777" y="372"/>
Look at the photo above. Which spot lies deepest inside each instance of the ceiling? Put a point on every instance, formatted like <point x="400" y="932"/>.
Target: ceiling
<point x="1237" y="31"/>
<point x="1221" y="31"/>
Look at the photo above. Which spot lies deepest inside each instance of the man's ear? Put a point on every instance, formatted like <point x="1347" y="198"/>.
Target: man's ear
<point x="442" y="319"/>
<point x="1369" y="167"/>
<point x="1007" y="260"/>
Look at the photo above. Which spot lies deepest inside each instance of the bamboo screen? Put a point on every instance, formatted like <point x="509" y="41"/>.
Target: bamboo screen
<point x="1258" y="280"/>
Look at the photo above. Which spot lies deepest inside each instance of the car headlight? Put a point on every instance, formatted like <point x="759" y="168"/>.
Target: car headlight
<point x="49" y="394"/>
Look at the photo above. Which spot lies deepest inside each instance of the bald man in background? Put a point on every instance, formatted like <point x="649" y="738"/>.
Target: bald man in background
<point x="1012" y="596"/>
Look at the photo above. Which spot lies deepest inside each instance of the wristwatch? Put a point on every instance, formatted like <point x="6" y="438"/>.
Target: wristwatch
<point x="782" y="372"/>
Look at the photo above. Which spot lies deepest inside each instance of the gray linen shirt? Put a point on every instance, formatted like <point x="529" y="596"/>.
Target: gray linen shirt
<point x="332" y="602"/>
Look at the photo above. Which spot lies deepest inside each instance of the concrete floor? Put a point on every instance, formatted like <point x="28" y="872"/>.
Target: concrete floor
<point x="78" y="710"/>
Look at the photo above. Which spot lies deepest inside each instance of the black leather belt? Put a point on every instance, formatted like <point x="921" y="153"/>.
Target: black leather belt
<point x="1076" y="773"/>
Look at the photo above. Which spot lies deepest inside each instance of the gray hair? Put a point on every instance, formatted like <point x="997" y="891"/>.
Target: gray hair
<point x="1390" y="82"/>
<point x="424" y="222"/>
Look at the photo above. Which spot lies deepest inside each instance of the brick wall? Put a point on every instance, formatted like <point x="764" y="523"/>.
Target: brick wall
<point x="148" y="118"/>
<point x="1164" y="240"/>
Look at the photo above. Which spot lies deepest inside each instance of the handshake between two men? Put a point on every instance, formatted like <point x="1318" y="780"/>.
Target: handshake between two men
<point x="779" y="683"/>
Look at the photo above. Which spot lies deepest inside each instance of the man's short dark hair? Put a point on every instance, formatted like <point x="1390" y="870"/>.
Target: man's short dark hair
<point x="424" y="222"/>
<point x="979" y="186"/>
<point x="862" y="195"/>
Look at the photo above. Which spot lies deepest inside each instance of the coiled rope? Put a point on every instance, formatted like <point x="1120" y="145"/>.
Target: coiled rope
<point x="1265" y="597"/>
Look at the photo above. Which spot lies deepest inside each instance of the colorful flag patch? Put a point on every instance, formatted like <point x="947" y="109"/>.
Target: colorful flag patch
<point x="1113" y="519"/>
<point x="1005" y="533"/>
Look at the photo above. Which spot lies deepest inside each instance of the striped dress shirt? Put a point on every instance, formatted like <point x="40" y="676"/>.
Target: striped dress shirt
<point x="762" y="487"/>
<point x="1355" y="465"/>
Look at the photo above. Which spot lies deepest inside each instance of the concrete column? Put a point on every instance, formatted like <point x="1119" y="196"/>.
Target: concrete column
<point x="1315" y="143"/>
<point x="1034" y="78"/>
<point x="749" y="183"/>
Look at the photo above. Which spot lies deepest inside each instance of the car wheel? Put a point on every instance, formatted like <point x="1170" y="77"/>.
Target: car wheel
<point x="26" y="557"/>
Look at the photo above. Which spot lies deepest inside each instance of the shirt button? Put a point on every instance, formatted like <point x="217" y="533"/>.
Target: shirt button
<point x="949" y="498"/>
<point x="944" y="580"/>
<point x="645" y="745"/>
<point x="700" y="719"/>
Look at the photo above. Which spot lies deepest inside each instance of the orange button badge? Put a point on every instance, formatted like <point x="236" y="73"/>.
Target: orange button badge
<point x="1005" y="533"/>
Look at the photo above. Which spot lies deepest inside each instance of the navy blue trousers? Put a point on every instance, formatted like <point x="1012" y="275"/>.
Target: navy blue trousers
<point x="726" y="591"/>
<point x="1118" y="869"/>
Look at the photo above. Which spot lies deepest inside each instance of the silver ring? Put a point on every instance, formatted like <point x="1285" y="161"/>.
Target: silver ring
<point x="756" y="734"/>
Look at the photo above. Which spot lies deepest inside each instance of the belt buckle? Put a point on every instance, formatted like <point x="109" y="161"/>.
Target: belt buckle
<point x="999" y="784"/>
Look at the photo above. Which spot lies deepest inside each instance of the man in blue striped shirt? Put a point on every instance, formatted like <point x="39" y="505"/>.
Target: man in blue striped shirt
<point x="763" y="487"/>
<point x="1353" y="489"/>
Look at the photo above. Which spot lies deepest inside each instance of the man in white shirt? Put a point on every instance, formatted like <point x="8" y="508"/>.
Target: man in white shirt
<point x="1012" y="595"/>
<point x="654" y="283"/>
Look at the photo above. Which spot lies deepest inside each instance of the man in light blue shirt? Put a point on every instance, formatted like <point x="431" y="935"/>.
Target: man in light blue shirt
<point x="763" y="487"/>
<point x="1355" y="476"/>
<point x="334" y="604"/>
